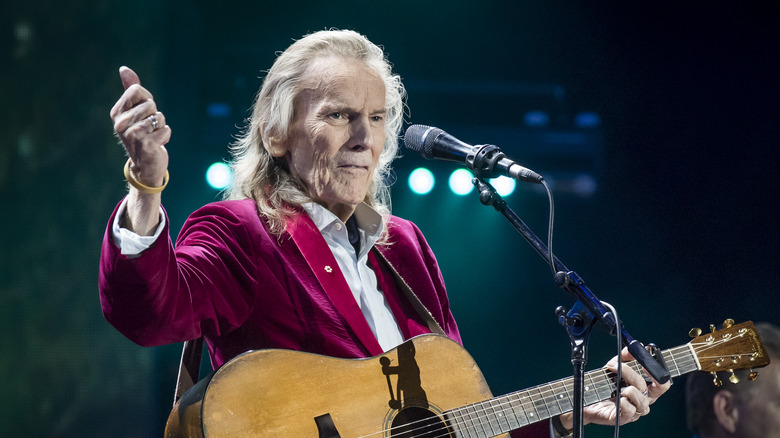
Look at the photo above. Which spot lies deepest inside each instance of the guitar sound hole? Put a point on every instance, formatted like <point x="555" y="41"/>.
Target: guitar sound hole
<point x="418" y="422"/>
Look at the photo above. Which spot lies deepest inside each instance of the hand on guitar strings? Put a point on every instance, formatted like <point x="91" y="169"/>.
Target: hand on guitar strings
<point x="636" y="396"/>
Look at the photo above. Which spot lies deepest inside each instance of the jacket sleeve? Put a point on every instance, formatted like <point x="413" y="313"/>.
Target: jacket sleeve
<point x="168" y="295"/>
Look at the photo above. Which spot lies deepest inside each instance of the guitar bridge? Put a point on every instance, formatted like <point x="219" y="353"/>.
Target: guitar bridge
<point x="326" y="427"/>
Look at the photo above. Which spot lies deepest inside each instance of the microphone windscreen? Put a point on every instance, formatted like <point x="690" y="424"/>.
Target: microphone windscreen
<point x="421" y="138"/>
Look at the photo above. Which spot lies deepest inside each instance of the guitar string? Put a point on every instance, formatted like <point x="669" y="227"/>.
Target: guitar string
<point x="686" y="361"/>
<point x="473" y="421"/>
<point x="605" y="381"/>
<point x="717" y="343"/>
<point x="482" y="413"/>
<point x="486" y="410"/>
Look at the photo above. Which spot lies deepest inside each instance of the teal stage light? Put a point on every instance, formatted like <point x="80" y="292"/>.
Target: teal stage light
<point x="219" y="175"/>
<point x="460" y="182"/>
<point x="504" y="185"/>
<point x="421" y="181"/>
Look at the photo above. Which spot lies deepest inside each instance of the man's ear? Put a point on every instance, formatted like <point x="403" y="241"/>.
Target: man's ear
<point x="724" y="404"/>
<point x="276" y="147"/>
<point x="275" y="144"/>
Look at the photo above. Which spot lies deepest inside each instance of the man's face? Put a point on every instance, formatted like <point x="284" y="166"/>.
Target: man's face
<point x="338" y="132"/>
<point x="759" y="411"/>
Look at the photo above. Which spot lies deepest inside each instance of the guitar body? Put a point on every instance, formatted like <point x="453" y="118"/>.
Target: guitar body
<point x="280" y="393"/>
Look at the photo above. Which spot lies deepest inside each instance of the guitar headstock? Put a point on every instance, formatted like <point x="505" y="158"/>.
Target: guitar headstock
<point x="733" y="347"/>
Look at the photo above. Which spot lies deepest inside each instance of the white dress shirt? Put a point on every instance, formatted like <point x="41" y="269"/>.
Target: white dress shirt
<point x="355" y="267"/>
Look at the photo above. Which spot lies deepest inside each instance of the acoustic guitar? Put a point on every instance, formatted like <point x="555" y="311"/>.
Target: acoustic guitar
<point x="428" y="386"/>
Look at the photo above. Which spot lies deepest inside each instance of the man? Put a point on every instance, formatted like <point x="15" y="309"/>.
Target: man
<point x="745" y="409"/>
<point x="304" y="255"/>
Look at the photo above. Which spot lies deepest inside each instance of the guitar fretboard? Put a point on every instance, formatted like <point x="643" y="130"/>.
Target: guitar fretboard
<point x="502" y="414"/>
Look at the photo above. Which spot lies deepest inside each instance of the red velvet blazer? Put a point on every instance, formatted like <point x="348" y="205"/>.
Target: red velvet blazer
<point x="232" y="281"/>
<point x="242" y="288"/>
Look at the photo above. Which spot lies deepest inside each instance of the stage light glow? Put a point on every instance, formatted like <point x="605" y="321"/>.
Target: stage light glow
<point x="504" y="185"/>
<point x="587" y="119"/>
<point x="421" y="181"/>
<point x="219" y="175"/>
<point x="460" y="182"/>
<point x="536" y="119"/>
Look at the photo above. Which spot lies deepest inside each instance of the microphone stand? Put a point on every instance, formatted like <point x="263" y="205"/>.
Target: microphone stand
<point x="583" y="315"/>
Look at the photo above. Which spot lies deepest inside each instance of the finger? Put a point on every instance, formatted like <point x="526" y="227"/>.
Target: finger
<point x="129" y="77"/>
<point x="162" y="133"/>
<point x="159" y="118"/>
<point x="638" y="400"/>
<point x="633" y="378"/>
<point x="161" y="136"/>
<point x="133" y="95"/>
<point x="655" y="390"/>
<point x="134" y="115"/>
<point x="629" y="376"/>
<point x="154" y="121"/>
<point x="631" y="410"/>
<point x="140" y="140"/>
<point x="625" y="356"/>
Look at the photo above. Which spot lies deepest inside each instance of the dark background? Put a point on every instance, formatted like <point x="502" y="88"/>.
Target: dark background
<point x="680" y="231"/>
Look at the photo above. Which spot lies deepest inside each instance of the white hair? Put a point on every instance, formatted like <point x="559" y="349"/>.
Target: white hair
<point x="267" y="180"/>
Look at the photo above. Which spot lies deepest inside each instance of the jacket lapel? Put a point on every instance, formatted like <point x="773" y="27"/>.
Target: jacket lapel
<point x="323" y="264"/>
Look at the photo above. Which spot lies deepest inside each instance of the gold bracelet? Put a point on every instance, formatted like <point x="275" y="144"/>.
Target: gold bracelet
<point x="142" y="188"/>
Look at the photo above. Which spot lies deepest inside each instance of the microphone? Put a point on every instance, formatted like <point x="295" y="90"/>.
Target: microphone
<point x="487" y="161"/>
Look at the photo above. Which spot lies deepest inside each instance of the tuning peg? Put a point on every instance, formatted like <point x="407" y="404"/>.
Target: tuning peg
<point x="753" y="375"/>
<point x="715" y="379"/>
<point x="728" y="323"/>
<point x="712" y="328"/>
<point x="733" y="378"/>
<point x="694" y="332"/>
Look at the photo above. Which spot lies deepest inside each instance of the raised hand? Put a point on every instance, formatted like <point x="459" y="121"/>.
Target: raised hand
<point x="142" y="130"/>
<point x="144" y="133"/>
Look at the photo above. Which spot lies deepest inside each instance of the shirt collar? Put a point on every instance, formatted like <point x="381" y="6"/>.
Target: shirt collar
<point x="369" y="221"/>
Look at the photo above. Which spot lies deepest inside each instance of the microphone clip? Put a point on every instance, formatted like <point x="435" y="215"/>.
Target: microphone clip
<point x="482" y="159"/>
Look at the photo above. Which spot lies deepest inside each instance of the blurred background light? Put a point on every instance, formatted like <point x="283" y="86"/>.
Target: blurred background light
<point x="584" y="185"/>
<point x="536" y="119"/>
<point x="219" y="110"/>
<point x="219" y="175"/>
<point x="421" y="181"/>
<point x="504" y="185"/>
<point x="587" y="119"/>
<point x="460" y="182"/>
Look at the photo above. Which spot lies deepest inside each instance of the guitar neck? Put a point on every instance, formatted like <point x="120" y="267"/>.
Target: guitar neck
<point x="502" y="414"/>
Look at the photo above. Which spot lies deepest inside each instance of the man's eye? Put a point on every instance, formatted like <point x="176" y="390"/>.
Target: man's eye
<point x="336" y="116"/>
<point x="377" y="118"/>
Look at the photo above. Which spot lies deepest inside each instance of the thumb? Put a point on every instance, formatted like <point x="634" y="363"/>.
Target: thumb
<point x="128" y="77"/>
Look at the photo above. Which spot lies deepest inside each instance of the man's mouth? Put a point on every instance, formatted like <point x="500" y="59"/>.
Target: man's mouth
<point x="352" y="166"/>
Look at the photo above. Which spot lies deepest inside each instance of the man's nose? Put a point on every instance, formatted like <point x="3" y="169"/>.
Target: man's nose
<point x="360" y="133"/>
